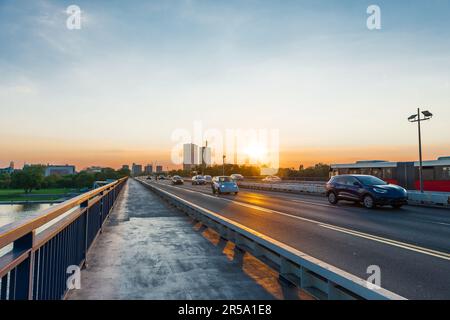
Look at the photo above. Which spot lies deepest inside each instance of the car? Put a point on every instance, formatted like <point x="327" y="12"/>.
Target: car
<point x="198" y="180"/>
<point x="161" y="177"/>
<point x="368" y="190"/>
<point x="271" y="179"/>
<point x="237" y="177"/>
<point x="224" y="184"/>
<point x="177" y="180"/>
<point x="208" y="178"/>
<point x="149" y="177"/>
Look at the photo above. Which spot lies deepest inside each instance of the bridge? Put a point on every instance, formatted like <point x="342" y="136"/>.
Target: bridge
<point x="141" y="239"/>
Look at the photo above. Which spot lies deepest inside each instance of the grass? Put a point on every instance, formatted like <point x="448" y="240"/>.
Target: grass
<point x="42" y="194"/>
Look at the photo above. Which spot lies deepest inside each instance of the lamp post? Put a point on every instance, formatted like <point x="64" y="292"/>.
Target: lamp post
<point x="416" y="118"/>
<point x="223" y="164"/>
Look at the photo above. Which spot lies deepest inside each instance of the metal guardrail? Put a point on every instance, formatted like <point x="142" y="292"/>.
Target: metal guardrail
<point x="298" y="187"/>
<point x="35" y="268"/>
<point x="316" y="277"/>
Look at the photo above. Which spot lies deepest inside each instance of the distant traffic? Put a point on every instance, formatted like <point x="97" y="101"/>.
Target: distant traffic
<point x="370" y="191"/>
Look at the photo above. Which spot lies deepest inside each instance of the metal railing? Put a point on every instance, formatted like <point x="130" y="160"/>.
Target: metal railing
<point x="316" y="277"/>
<point x="35" y="267"/>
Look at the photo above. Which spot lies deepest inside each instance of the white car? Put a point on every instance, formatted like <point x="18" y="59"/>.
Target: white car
<point x="271" y="179"/>
<point x="237" y="177"/>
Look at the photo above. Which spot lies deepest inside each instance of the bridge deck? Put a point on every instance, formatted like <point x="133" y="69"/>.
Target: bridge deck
<point x="149" y="250"/>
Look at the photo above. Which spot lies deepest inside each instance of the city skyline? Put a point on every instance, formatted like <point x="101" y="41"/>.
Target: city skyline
<point x="324" y="77"/>
<point x="339" y="156"/>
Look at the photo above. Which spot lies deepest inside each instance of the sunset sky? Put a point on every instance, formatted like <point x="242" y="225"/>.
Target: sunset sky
<point x="114" y="92"/>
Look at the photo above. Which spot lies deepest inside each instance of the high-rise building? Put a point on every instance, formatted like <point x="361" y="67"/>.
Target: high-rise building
<point x="205" y="155"/>
<point x="159" y="169"/>
<point x="148" y="169"/>
<point x="190" y="156"/>
<point x="136" y="169"/>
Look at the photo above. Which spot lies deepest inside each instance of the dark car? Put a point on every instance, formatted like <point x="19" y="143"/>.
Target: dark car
<point x="369" y="190"/>
<point x="177" y="180"/>
<point x="198" y="180"/>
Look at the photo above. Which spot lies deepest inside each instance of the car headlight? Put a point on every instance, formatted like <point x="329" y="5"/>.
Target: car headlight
<point x="378" y="190"/>
<point x="222" y="186"/>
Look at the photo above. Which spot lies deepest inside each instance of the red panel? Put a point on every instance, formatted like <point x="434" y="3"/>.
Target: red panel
<point x="434" y="185"/>
<point x="391" y="181"/>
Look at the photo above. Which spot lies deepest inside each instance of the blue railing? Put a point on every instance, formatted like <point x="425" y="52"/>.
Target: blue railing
<point x="43" y="247"/>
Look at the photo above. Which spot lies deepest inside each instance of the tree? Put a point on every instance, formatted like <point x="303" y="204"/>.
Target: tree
<point x="31" y="177"/>
<point x="124" y="172"/>
<point x="84" y="180"/>
<point x="5" y="180"/>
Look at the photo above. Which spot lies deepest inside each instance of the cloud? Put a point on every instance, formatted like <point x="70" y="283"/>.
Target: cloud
<point x="21" y="89"/>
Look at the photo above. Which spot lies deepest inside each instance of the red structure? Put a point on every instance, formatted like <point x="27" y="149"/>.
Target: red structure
<point x="436" y="173"/>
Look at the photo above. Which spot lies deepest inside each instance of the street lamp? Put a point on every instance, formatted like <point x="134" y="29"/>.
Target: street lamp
<point x="223" y="164"/>
<point x="416" y="118"/>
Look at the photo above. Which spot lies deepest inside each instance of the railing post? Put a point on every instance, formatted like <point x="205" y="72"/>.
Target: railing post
<point x="102" y="195"/>
<point x="84" y="205"/>
<point x="23" y="287"/>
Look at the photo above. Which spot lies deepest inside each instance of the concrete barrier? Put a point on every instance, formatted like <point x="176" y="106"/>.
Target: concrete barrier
<point x="441" y="199"/>
<point x="315" y="277"/>
<point x="311" y="188"/>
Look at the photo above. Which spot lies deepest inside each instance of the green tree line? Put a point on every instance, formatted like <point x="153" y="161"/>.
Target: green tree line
<point x="217" y="170"/>
<point x="319" y="170"/>
<point x="32" y="177"/>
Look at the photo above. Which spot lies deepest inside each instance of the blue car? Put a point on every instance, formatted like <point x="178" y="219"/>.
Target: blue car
<point x="224" y="184"/>
<point x="369" y="190"/>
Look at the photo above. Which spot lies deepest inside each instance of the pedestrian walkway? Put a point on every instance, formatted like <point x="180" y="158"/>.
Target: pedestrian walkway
<point x="150" y="250"/>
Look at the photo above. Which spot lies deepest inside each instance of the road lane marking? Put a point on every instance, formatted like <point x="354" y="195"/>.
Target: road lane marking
<point x="314" y="203"/>
<point x="399" y="244"/>
<point x="387" y="241"/>
<point x="440" y="223"/>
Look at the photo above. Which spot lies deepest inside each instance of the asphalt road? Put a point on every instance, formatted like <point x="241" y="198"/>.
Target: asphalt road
<point x="411" y="245"/>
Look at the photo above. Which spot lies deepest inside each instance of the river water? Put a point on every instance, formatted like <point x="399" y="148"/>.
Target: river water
<point x="10" y="213"/>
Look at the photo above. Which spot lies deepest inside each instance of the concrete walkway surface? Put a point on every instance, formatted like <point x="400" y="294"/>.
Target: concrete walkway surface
<point x="149" y="250"/>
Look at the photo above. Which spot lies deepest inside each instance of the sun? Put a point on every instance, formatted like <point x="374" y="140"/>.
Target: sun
<point x="256" y="152"/>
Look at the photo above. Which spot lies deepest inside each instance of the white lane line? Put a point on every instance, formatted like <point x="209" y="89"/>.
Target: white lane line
<point x="314" y="203"/>
<point x="399" y="244"/>
<point x="440" y="223"/>
<point x="387" y="241"/>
